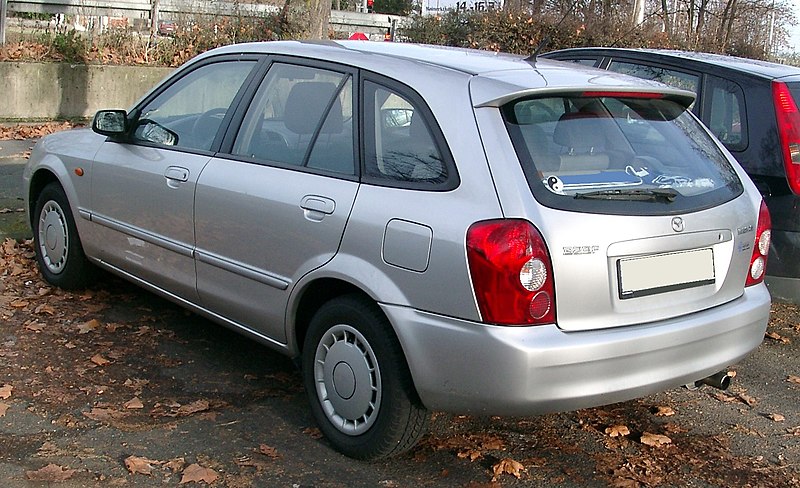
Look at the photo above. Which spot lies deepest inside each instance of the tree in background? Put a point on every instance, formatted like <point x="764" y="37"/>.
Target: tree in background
<point x="393" y="7"/>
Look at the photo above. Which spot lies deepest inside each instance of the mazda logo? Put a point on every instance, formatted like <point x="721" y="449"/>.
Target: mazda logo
<point x="677" y="224"/>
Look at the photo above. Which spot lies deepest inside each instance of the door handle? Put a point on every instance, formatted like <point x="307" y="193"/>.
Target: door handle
<point x="317" y="207"/>
<point x="176" y="173"/>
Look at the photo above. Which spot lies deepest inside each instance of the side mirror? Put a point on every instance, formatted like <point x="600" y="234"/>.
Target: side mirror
<point x="110" y="122"/>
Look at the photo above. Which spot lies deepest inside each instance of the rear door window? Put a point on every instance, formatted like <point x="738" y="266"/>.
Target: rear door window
<point x="726" y="112"/>
<point x="619" y="155"/>
<point x="668" y="76"/>
<point x="402" y="144"/>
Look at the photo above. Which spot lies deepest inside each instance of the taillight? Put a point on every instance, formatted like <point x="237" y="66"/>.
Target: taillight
<point x="758" y="261"/>
<point x="788" y="118"/>
<point x="511" y="273"/>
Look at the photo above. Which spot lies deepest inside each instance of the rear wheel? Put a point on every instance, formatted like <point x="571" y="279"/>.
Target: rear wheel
<point x="59" y="253"/>
<point x="358" y="382"/>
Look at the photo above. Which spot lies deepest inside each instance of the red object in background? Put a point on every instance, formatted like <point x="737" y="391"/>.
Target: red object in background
<point x="359" y="36"/>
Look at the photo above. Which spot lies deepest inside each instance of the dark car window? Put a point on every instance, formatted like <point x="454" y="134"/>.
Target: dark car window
<point x="726" y="117"/>
<point x="612" y="154"/>
<point x="592" y="62"/>
<point x="399" y="143"/>
<point x="194" y="106"/>
<point x="672" y="77"/>
<point x="301" y="116"/>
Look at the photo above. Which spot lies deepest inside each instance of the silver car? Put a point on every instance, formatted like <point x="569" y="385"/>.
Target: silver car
<point x="423" y="228"/>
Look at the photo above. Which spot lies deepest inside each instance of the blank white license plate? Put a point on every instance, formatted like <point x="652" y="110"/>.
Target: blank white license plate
<point x="661" y="273"/>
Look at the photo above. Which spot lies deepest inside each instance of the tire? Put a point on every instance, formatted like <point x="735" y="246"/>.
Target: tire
<point x="59" y="253"/>
<point x="358" y="383"/>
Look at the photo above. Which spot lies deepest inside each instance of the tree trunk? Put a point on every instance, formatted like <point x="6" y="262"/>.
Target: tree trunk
<point x="667" y="20"/>
<point x="319" y="14"/>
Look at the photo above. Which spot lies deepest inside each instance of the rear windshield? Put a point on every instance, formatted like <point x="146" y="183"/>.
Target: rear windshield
<point x="618" y="155"/>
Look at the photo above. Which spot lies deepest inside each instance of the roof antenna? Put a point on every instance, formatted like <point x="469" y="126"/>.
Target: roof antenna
<point x="546" y="39"/>
<point x="542" y="44"/>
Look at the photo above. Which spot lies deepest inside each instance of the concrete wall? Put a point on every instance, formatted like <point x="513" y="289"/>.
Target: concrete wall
<point x="36" y="91"/>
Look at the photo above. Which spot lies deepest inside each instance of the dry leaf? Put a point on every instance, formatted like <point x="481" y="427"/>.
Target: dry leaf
<point x="777" y="337"/>
<point x="45" y="309"/>
<point x="175" y="465"/>
<point x="197" y="473"/>
<point x="776" y="417"/>
<point x="3" y="409"/>
<point x="664" y="412"/>
<point x="35" y="327"/>
<point x="268" y="451"/>
<point x="100" y="360"/>
<point x="617" y="430"/>
<point x="19" y="304"/>
<point x="723" y="397"/>
<point x="5" y="391"/>
<point x="89" y="326"/>
<point x="133" y="403"/>
<point x="507" y="466"/>
<point x="654" y="440"/>
<point x="194" y="407"/>
<point x="471" y="454"/>
<point x="51" y="472"/>
<point x="140" y="465"/>
<point x="793" y="379"/>
<point x="751" y="401"/>
<point x="313" y="432"/>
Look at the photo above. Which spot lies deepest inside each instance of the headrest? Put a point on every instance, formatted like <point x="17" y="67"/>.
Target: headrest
<point x="579" y="130"/>
<point x="306" y="102"/>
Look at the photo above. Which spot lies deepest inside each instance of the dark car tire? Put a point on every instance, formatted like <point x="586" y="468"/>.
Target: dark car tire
<point x="59" y="252"/>
<point x="358" y="383"/>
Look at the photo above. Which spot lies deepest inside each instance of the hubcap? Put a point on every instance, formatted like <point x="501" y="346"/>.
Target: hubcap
<point x="53" y="237"/>
<point x="348" y="379"/>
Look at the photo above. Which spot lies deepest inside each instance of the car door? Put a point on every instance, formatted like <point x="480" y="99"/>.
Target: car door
<point x="143" y="187"/>
<point x="275" y="207"/>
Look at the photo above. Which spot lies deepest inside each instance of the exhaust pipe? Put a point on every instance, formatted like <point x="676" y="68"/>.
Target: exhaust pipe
<point x="720" y="381"/>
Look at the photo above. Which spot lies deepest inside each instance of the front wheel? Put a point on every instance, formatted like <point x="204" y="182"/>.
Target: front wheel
<point x="59" y="253"/>
<point x="358" y="383"/>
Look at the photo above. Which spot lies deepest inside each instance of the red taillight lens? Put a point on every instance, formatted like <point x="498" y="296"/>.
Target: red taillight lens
<point x="788" y="118"/>
<point x="758" y="261"/>
<point x="511" y="273"/>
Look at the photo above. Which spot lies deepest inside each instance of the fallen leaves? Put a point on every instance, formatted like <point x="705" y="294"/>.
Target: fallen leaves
<point x="654" y="440"/>
<point x="617" y="430"/>
<point x="3" y="409"/>
<point x="197" y="473"/>
<point x="5" y="391"/>
<point x="777" y="337"/>
<point x="33" y="131"/>
<point x="775" y="417"/>
<point x="100" y="360"/>
<point x="507" y="466"/>
<point x="662" y="411"/>
<point x="140" y="465"/>
<point x="793" y="379"/>
<point x="51" y="472"/>
<point x="89" y="326"/>
<point x="268" y="451"/>
<point x="133" y="404"/>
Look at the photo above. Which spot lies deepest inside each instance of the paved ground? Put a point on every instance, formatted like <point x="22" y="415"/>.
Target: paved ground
<point x="115" y="387"/>
<point x="12" y="218"/>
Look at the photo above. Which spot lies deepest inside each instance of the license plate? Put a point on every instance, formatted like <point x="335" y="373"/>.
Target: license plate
<point x="661" y="273"/>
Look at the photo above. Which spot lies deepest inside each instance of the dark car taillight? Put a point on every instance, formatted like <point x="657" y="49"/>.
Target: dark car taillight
<point x="511" y="271"/>
<point x="758" y="261"/>
<point x="789" y="132"/>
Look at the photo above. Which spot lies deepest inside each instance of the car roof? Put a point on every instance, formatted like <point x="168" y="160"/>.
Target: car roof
<point x="494" y="77"/>
<point x="752" y="66"/>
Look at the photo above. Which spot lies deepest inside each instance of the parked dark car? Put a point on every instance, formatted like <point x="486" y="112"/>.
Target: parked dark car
<point x="751" y="106"/>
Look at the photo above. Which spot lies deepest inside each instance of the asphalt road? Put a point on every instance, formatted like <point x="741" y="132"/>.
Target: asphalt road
<point x="12" y="160"/>
<point x="116" y="387"/>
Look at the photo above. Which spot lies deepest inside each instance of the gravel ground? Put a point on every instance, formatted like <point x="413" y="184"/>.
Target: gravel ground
<point x="113" y="386"/>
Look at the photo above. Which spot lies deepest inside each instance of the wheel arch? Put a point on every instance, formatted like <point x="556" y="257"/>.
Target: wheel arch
<point x="311" y="297"/>
<point x="40" y="179"/>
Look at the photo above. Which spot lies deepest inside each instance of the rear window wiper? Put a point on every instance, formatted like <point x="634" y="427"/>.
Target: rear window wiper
<point x="665" y="195"/>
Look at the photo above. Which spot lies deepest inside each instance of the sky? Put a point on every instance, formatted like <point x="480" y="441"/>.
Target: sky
<point x="794" y="32"/>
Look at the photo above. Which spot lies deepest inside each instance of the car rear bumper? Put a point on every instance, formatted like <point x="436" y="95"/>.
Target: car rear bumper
<point x="466" y="367"/>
